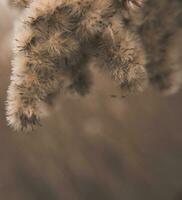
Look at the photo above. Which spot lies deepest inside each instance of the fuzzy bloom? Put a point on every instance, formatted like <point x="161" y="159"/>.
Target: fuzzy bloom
<point x="55" y="41"/>
<point x="121" y="53"/>
<point x="49" y="47"/>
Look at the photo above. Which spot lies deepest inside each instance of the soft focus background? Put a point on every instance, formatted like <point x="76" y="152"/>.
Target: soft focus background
<point x="100" y="147"/>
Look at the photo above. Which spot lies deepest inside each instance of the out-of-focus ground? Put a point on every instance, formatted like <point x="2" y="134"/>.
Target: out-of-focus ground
<point x="94" y="148"/>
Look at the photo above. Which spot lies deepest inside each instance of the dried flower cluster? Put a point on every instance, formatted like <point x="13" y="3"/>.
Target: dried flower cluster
<point x="56" y="40"/>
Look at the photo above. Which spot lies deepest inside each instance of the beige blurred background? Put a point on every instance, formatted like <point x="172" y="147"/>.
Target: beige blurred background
<point x="92" y="148"/>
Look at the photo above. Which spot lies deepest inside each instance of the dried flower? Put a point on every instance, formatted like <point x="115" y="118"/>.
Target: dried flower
<point x="55" y="41"/>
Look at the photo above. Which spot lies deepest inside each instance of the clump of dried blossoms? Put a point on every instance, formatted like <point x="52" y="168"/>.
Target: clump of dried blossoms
<point x="55" y="41"/>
